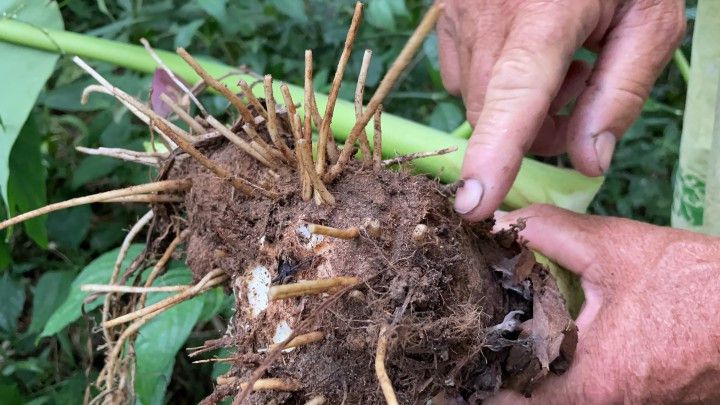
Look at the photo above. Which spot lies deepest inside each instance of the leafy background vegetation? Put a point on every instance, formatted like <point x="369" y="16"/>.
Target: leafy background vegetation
<point x="48" y="351"/>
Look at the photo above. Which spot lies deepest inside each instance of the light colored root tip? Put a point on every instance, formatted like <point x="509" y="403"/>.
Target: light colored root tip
<point x="359" y="92"/>
<point x="418" y="155"/>
<point x="263" y="384"/>
<point x="124" y="289"/>
<point x="166" y="185"/>
<point x="372" y="227"/>
<point x="420" y="233"/>
<point x="310" y="287"/>
<point x="301" y="340"/>
<point x="145" y="158"/>
<point x="347" y="233"/>
<point x="382" y="376"/>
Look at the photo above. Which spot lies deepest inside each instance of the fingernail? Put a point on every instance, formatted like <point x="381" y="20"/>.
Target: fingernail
<point x="604" y="148"/>
<point x="468" y="196"/>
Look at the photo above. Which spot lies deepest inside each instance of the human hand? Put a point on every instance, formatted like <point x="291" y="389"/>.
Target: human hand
<point x="649" y="329"/>
<point x="512" y="62"/>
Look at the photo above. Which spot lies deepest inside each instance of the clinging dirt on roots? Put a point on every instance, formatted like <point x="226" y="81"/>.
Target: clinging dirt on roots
<point x="354" y="282"/>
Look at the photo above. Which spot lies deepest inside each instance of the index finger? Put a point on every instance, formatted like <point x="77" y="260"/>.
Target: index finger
<point x="523" y="84"/>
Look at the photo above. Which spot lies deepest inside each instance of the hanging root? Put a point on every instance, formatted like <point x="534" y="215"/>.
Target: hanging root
<point x="215" y="277"/>
<point x="310" y="287"/>
<point x="213" y="83"/>
<point x="347" y="233"/>
<point x="161" y="263"/>
<point x="418" y="155"/>
<point x="166" y="185"/>
<point x="387" y="83"/>
<point x="359" y="91"/>
<point x="384" y="380"/>
<point x="146" y="198"/>
<point x="124" y="289"/>
<point x="145" y="158"/>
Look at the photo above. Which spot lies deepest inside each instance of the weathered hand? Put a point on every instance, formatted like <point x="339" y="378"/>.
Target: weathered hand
<point x="512" y="61"/>
<point x="649" y="331"/>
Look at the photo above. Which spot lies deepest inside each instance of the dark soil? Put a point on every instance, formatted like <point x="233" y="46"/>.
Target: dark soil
<point x="448" y="297"/>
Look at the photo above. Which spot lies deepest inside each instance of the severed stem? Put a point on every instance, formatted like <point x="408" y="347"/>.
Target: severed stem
<point x="387" y="83"/>
<point x="382" y="376"/>
<point x="335" y="89"/>
<point x="270" y="154"/>
<point x="305" y="174"/>
<point x="215" y="277"/>
<point x="347" y="233"/>
<point x="359" y="91"/>
<point x="145" y="158"/>
<point x="166" y="185"/>
<point x="418" y="155"/>
<point x="182" y="114"/>
<point x="377" y="140"/>
<point x="212" y="82"/>
<point x="263" y="384"/>
<point x="307" y="132"/>
<point x="301" y="340"/>
<point x="306" y="161"/>
<point x="239" y="142"/>
<point x="104" y="288"/>
<point x="272" y="123"/>
<point x="174" y="78"/>
<point x="310" y="287"/>
<point x="146" y="198"/>
<point x="247" y="91"/>
<point x="332" y="149"/>
<point x="239" y="183"/>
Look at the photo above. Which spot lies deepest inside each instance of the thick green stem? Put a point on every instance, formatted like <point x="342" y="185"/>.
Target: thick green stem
<point x="536" y="182"/>
<point x="682" y="64"/>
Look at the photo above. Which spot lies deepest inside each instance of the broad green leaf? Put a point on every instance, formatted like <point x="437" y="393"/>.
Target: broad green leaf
<point x="216" y="8"/>
<point x="50" y="292"/>
<point x="68" y="227"/>
<point x="446" y="116"/>
<point x="380" y="14"/>
<point x="93" y="168"/>
<point x="13" y="298"/>
<point x="22" y="76"/>
<point x="26" y="185"/>
<point x="215" y="302"/>
<point x="186" y="32"/>
<point x="161" y="338"/>
<point x="97" y="272"/>
<point x="10" y="394"/>
<point x="292" y="8"/>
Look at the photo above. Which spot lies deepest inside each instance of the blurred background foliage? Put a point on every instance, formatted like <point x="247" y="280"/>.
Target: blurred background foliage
<point x="268" y="36"/>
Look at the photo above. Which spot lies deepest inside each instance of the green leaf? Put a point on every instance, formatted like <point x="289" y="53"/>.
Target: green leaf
<point x="399" y="8"/>
<point x="216" y="8"/>
<point x="22" y="76"/>
<point x="215" y="302"/>
<point x="5" y="257"/>
<point x="446" y="116"/>
<point x="10" y="394"/>
<point x="292" y="8"/>
<point x="50" y="292"/>
<point x="68" y="227"/>
<point x="93" y="168"/>
<point x="13" y="298"/>
<point x="26" y="185"/>
<point x="97" y="272"/>
<point x="380" y="14"/>
<point x="161" y="338"/>
<point x="186" y="32"/>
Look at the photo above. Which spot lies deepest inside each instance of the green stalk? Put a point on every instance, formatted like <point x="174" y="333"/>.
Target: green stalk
<point x="682" y="64"/>
<point x="536" y="182"/>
